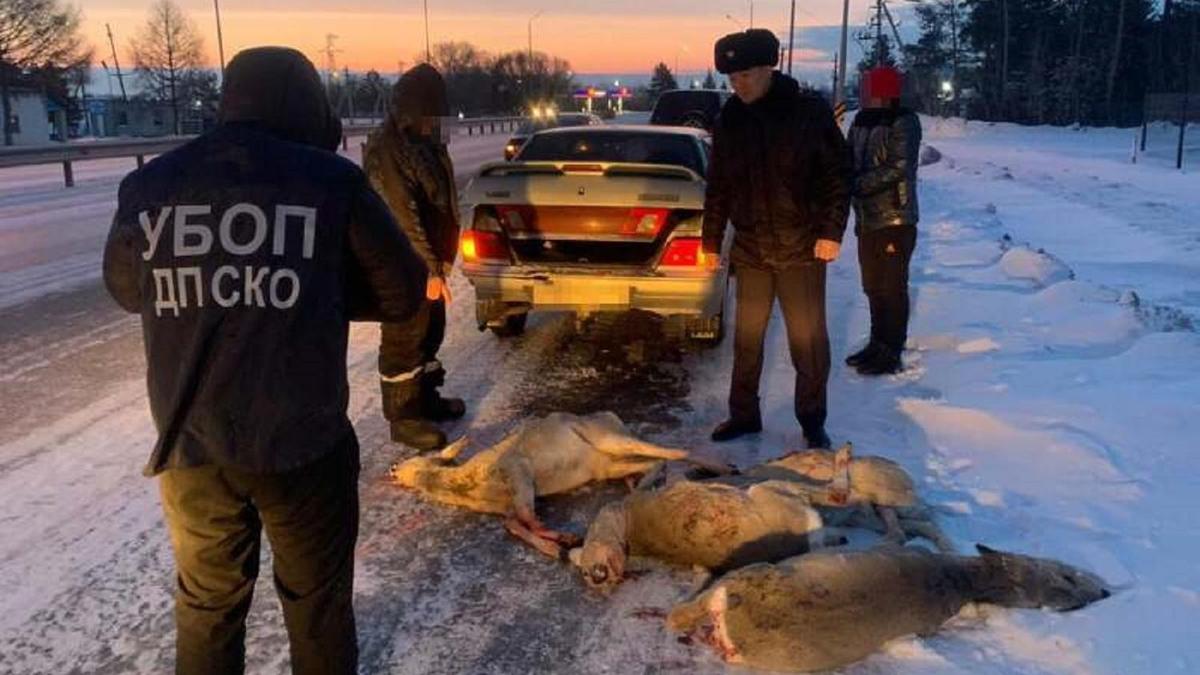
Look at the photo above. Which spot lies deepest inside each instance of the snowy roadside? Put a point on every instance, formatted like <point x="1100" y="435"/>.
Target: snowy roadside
<point x="1042" y="413"/>
<point x="1052" y="401"/>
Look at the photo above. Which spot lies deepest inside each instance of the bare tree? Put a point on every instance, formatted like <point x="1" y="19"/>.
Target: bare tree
<point x="166" y="54"/>
<point x="35" y="35"/>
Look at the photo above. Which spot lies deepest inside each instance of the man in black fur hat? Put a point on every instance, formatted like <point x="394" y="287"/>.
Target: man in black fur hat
<point x="408" y="163"/>
<point x="780" y="174"/>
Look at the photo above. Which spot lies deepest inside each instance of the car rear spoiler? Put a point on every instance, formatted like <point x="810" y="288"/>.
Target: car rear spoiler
<point x="669" y="171"/>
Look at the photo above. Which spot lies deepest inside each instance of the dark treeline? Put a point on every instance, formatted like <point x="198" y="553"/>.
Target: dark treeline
<point x="477" y="83"/>
<point x="1089" y="62"/>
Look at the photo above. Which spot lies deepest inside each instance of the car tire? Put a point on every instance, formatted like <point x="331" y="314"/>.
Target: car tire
<point x="510" y="326"/>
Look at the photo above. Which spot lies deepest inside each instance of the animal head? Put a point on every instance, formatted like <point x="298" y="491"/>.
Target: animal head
<point x="601" y="563"/>
<point x="411" y="473"/>
<point x="1040" y="582"/>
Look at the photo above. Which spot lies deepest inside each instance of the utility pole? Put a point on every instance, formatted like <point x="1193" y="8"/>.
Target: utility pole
<point x="838" y="94"/>
<point x="428" y="52"/>
<point x="791" y="37"/>
<point x="752" y="13"/>
<point x="220" y="40"/>
<point x="116" y="63"/>
<point x="530" y="33"/>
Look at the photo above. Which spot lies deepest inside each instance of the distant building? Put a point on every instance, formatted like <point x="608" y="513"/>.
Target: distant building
<point x="33" y="120"/>
<point x="111" y="116"/>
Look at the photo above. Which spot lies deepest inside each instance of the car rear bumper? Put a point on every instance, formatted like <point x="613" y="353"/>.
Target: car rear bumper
<point x="699" y="294"/>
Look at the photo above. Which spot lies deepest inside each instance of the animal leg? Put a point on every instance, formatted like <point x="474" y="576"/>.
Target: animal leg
<point x="893" y="531"/>
<point x="631" y="467"/>
<point x="929" y="530"/>
<point x="541" y="544"/>
<point x="652" y="478"/>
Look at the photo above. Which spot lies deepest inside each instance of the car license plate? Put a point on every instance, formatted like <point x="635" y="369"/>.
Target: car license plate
<point x="570" y="292"/>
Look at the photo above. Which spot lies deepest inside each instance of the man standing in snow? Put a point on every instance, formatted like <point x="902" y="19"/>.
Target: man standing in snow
<point x="780" y="173"/>
<point x="409" y="165"/>
<point x="885" y="139"/>
<point x="247" y="252"/>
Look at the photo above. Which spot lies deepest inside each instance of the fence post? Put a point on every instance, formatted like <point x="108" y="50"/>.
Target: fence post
<point x="1145" y="120"/>
<point x="1183" y="122"/>
<point x="141" y="161"/>
<point x="68" y="173"/>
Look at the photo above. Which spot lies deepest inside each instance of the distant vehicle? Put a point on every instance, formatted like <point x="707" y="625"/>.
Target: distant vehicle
<point x="696" y="108"/>
<point x="596" y="220"/>
<point x="542" y="122"/>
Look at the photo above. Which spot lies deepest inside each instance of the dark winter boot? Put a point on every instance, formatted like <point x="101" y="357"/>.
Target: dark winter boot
<point x="440" y="409"/>
<point x="433" y="405"/>
<point x="817" y="439"/>
<point x="402" y="408"/>
<point x="885" y="361"/>
<point x="863" y="355"/>
<point x="731" y="429"/>
<point x="418" y="433"/>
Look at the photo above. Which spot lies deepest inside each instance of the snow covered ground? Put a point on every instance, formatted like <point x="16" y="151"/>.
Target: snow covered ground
<point x="1051" y="407"/>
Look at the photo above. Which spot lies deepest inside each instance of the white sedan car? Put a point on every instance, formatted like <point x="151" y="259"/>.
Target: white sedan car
<point x="594" y="220"/>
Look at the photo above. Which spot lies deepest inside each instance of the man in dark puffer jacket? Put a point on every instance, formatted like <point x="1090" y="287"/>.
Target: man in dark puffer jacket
<point x="247" y="252"/>
<point x="886" y="140"/>
<point x="409" y="165"/>
<point x="780" y="174"/>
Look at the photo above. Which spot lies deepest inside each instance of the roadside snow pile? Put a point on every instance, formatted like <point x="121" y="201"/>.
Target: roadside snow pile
<point x="1036" y="266"/>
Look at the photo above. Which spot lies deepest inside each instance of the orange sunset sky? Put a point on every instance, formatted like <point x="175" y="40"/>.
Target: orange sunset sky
<point x="616" y="36"/>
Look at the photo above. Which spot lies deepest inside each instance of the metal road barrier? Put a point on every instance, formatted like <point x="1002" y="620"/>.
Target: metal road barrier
<point x="139" y="148"/>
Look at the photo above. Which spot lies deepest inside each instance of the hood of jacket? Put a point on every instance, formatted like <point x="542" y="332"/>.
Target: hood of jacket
<point x="419" y="93"/>
<point x="277" y="89"/>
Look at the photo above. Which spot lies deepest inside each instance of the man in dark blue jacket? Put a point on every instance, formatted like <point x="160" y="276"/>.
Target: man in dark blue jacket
<point x="247" y="252"/>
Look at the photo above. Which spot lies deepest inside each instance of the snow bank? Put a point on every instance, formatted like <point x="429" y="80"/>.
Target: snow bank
<point x="1036" y="266"/>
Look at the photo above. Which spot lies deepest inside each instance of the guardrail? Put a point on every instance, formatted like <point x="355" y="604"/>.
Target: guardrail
<point x="69" y="153"/>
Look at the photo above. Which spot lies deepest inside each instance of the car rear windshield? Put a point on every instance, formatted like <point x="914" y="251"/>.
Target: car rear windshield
<point x="530" y="126"/>
<point x="616" y="146"/>
<point x="674" y="106"/>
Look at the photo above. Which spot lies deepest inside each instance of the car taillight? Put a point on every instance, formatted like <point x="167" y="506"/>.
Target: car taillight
<point x="485" y="240"/>
<point x="644" y="221"/>
<point x="683" y="252"/>
<point x="483" y="246"/>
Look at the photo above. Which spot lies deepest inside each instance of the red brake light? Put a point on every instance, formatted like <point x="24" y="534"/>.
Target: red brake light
<point x="683" y="252"/>
<point x="479" y="246"/>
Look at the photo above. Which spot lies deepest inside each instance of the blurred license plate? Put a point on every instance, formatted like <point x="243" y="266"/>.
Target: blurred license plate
<point x="568" y="291"/>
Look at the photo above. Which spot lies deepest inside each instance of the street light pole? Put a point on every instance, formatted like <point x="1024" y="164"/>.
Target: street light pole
<point x="220" y="41"/>
<point x="839" y="95"/>
<point x="539" y="13"/>
<point x="752" y="13"/>
<point x="791" y="37"/>
<point x="428" y="52"/>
